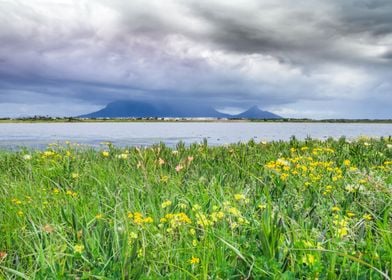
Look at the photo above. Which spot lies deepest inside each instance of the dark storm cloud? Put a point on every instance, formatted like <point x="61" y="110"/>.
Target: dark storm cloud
<point x="368" y="17"/>
<point x="300" y="32"/>
<point x="276" y="54"/>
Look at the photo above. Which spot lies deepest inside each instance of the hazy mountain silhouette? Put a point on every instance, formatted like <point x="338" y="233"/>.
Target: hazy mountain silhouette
<point x="142" y="109"/>
<point x="255" y="113"/>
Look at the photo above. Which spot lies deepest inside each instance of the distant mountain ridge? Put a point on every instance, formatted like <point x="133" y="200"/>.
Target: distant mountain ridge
<point x="255" y="113"/>
<point x="142" y="109"/>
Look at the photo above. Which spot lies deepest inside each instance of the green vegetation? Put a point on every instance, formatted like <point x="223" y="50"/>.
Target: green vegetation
<point x="280" y="210"/>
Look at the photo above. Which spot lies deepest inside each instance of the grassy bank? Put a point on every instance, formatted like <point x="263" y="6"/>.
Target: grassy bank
<point x="282" y="210"/>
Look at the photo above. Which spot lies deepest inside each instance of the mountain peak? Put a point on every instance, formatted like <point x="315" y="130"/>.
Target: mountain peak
<point x="255" y="113"/>
<point x="253" y="108"/>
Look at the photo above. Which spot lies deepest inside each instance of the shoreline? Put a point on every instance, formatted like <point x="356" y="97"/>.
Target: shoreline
<point x="194" y="120"/>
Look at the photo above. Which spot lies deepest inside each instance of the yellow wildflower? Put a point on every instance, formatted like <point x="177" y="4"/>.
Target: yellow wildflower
<point x="71" y="193"/>
<point x="182" y="205"/>
<point x="262" y="206"/>
<point x="139" y="219"/>
<point x="148" y="220"/>
<point x="16" y="201"/>
<point x="78" y="249"/>
<point x="342" y="232"/>
<point x="284" y="176"/>
<point x="234" y="211"/>
<point x="99" y="216"/>
<point x="351" y="188"/>
<point x="239" y="196"/>
<point x="177" y="219"/>
<point x="140" y="253"/>
<point x="350" y="214"/>
<point x="335" y="209"/>
<point x="352" y="168"/>
<point x="166" y="203"/>
<point x="226" y="204"/>
<point x="47" y="154"/>
<point x="164" y="179"/>
<point x="233" y="225"/>
<point x="203" y="221"/>
<point x="122" y="156"/>
<point x="308" y="259"/>
<point x="328" y="189"/>
<point x="367" y="217"/>
<point x="242" y="221"/>
<point x="196" y="207"/>
<point x="105" y="154"/>
<point x="216" y="216"/>
<point x="194" y="260"/>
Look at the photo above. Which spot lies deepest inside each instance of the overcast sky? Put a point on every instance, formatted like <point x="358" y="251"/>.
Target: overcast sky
<point x="315" y="59"/>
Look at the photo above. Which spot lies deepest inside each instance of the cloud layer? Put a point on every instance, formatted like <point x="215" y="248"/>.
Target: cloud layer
<point x="314" y="59"/>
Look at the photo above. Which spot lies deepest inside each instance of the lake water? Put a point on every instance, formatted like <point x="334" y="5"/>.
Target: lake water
<point x="39" y="135"/>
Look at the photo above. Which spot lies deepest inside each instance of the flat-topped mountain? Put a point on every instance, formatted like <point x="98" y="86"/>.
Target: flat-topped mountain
<point x="142" y="109"/>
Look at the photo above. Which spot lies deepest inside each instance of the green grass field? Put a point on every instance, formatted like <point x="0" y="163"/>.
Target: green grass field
<point x="280" y="210"/>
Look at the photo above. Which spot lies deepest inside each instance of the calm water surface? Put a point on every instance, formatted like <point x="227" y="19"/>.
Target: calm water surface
<point x="39" y="135"/>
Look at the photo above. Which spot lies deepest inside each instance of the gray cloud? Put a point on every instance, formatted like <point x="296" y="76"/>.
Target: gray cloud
<point x="387" y="55"/>
<point x="281" y="55"/>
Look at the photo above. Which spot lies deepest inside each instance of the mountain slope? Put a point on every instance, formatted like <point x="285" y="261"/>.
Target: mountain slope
<point x="142" y="109"/>
<point x="255" y="113"/>
<point x="120" y="109"/>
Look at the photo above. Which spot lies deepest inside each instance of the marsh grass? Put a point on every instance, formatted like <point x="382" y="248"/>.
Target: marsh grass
<point x="279" y="210"/>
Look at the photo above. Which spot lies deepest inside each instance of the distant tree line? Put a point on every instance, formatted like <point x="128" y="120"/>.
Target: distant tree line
<point x="293" y="120"/>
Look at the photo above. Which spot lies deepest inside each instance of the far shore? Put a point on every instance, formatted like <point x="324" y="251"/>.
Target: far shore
<point x="214" y="120"/>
